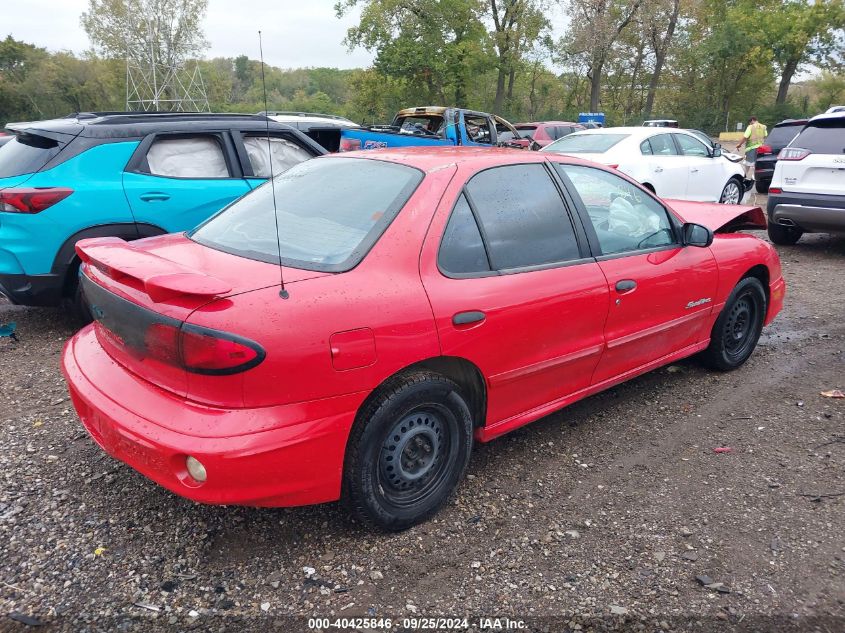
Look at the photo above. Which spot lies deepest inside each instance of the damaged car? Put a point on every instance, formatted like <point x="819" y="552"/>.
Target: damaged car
<point x="355" y="342"/>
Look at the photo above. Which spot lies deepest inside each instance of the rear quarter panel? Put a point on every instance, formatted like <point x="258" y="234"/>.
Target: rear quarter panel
<point x="381" y="140"/>
<point x="98" y="198"/>
<point x="375" y="317"/>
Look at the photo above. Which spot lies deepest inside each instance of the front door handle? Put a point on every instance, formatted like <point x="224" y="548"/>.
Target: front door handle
<point x="468" y="317"/>
<point x="153" y="196"/>
<point x="625" y="285"/>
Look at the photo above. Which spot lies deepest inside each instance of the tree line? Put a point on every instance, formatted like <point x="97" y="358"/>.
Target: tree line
<point x="707" y="63"/>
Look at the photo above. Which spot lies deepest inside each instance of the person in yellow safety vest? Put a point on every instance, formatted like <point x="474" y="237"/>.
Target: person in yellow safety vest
<point x="753" y="138"/>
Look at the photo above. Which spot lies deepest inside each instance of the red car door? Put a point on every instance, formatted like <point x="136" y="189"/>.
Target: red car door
<point x="661" y="292"/>
<point x="513" y="290"/>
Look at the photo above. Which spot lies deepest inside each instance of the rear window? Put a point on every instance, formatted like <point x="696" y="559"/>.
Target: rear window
<point x="823" y="137"/>
<point x="26" y="153"/>
<point x="527" y="131"/>
<point x="585" y="143"/>
<point x="780" y="136"/>
<point x="330" y="213"/>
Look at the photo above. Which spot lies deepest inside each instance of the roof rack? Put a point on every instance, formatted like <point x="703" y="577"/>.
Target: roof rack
<point x="302" y="114"/>
<point x="134" y="117"/>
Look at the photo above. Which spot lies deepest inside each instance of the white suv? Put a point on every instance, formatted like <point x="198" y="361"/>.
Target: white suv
<point x="807" y="194"/>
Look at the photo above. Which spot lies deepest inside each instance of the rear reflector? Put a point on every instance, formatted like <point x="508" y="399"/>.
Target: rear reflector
<point x="350" y="144"/>
<point x="31" y="200"/>
<point x="775" y="190"/>
<point x="793" y="153"/>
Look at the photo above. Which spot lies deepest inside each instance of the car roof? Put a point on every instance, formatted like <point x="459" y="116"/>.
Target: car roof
<point x="516" y="125"/>
<point x="828" y="116"/>
<point x="787" y="122"/>
<point x="635" y="131"/>
<point x="431" y="159"/>
<point x="138" y="124"/>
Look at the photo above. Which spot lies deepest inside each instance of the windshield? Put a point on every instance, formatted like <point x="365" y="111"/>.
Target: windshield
<point x="580" y="143"/>
<point x="25" y="154"/>
<point x="330" y="213"/>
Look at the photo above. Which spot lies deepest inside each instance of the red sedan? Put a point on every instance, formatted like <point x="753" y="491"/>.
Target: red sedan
<point x="431" y="298"/>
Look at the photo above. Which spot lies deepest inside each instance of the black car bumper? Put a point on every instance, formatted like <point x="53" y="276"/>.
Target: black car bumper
<point x="814" y="213"/>
<point x="33" y="290"/>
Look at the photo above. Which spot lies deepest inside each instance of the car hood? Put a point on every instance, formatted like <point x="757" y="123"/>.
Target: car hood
<point x="720" y="218"/>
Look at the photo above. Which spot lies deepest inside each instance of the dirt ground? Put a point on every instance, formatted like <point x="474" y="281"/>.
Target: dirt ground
<point x="606" y="515"/>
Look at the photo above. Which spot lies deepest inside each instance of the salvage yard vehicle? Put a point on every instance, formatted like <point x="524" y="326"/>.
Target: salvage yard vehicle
<point x="322" y="128"/>
<point x="128" y="175"/>
<point x="426" y="299"/>
<point x="807" y="194"/>
<point x="544" y="132"/>
<point x="434" y="126"/>
<point x="672" y="164"/>
<point x="767" y="154"/>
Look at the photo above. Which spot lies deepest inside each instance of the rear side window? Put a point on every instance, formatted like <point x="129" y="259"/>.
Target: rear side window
<point x="823" y="137"/>
<point x="26" y="153"/>
<point x="462" y="249"/>
<point x="662" y="145"/>
<point x="523" y="217"/>
<point x="585" y="143"/>
<point x="330" y="212"/>
<point x="188" y="157"/>
<point x="284" y="154"/>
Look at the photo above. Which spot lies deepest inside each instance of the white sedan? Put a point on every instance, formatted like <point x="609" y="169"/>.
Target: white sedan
<point x="673" y="164"/>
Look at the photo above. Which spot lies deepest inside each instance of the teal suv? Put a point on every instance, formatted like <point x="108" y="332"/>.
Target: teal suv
<point x="126" y="175"/>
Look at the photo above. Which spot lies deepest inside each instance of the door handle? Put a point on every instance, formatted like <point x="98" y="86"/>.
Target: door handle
<point x="468" y="317"/>
<point x="625" y="285"/>
<point x="658" y="169"/>
<point x="152" y="196"/>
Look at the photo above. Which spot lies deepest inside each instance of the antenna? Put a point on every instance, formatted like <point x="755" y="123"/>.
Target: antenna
<point x="284" y="294"/>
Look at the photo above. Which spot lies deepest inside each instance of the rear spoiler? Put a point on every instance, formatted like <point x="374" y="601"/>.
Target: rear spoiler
<point x="161" y="278"/>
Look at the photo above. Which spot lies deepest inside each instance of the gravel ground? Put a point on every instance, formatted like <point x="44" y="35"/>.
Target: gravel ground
<point x="614" y="513"/>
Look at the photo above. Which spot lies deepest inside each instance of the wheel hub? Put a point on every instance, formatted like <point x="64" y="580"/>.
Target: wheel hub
<point x="412" y="450"/>
<point x="739" y="323"/>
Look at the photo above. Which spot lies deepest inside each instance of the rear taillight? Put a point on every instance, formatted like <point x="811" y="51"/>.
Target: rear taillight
<point x="793" y="153"/>
<point x="775" y="190"/>
<point x="764" y="149"/>
<point x="210" y="352"/>
<point x="350" y="144"/>
<point x="31" y="199"/>
<point x="195" y="349"/>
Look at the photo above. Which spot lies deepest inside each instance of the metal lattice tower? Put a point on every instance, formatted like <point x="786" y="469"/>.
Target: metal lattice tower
<point x="155" y="85"/>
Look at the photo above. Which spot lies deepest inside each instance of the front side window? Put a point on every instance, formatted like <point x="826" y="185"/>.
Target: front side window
<point x="188" y="157"/>
<point x="422" y="125"/>
<point x="645" y="148"/>
<point x="326" y="227"/>
<point x="691" y="146"/>
<point x="522" y="216"/>
<point x="624" y="217"/>
<point x="284" y="154"/>
<point x="478" y="129"/>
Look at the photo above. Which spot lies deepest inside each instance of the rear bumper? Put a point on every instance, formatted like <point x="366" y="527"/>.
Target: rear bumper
<point x="809" y="212"/>
<point x="285" y="455"/>
<point x="32" y="290"/>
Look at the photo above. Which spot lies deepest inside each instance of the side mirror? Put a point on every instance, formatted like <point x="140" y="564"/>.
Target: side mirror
<point x="717" y="150"/>
<point x="697" y="235"/>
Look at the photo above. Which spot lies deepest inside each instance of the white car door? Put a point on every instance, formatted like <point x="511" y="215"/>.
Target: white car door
<point x="665" y="169"/>
<point x="705" y="172"/>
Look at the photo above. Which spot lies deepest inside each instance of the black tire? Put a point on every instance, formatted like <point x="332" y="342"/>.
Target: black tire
<point x="393" y="483"/>
<point x="761" y="187"/>
<point x="737" y="330"/>
<point x="783" y="235"/>
<point x="733" y="187"/>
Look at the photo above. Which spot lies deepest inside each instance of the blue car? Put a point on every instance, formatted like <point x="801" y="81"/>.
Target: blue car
<point x="126" y="175"/>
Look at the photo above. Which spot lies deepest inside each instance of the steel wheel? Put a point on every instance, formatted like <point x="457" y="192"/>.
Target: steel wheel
<point x="731" y="194"/>
<point x="739" y="326"/>
<point x="737" y="330"/>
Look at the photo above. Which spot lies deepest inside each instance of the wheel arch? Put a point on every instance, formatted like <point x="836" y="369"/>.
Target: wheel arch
<point x="459" y="370"/>
<point x="66" y="261"/>
<point x="760" y="272"/>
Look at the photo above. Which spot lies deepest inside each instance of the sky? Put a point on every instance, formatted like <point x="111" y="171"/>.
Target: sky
<point x="296" y="33"/>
